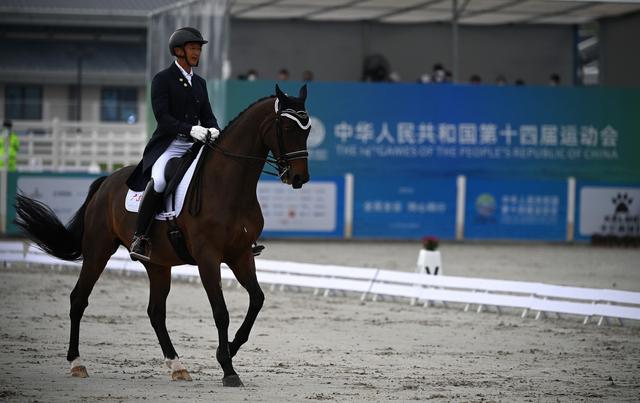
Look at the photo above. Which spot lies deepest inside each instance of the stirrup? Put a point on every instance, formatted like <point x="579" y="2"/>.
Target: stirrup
<point x="138" y="248"/>
<point x="257" y="249"/>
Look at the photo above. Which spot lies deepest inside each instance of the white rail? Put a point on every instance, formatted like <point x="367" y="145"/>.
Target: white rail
<point x="530" y="297"/>
<point x="78" y="146"/>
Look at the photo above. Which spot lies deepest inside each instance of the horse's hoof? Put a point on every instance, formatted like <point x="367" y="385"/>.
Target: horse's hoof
<point x="232" y="380"/>
<point x="180" y="375"/>
<point x="79" y="372"/>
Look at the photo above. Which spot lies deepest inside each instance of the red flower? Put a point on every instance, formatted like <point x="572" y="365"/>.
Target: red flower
<point x="430" y="243"/>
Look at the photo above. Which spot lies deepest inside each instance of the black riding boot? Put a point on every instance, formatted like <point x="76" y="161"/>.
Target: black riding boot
<point x="141" y="244"/>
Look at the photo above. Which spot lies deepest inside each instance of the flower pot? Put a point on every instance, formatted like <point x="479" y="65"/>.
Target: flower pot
<point x="429" y="262"/>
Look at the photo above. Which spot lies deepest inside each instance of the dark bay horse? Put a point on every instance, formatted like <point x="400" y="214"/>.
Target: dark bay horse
<point x="229" y="222"/>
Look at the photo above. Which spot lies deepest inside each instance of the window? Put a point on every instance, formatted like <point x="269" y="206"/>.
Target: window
<point x="23" y="101"/>
<point x="119" y="104"/>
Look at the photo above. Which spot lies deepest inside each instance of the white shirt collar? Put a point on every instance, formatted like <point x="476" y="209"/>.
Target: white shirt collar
<point x="184" y="72"/>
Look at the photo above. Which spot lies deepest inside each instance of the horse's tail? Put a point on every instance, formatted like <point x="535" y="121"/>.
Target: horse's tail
<point x="40" y="224"/>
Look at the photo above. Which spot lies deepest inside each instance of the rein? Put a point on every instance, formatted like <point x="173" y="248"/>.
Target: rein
<point x="272" y="162"/>
<point x="196" y="201"/>
<point x="282" y="163"/>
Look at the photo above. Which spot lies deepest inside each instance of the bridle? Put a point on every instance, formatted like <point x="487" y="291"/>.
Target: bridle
<point x="283" y="162"/>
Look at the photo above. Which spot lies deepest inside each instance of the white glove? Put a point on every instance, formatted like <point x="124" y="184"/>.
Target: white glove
<point x="199" y="133"/>
<point x="214" y="133"/>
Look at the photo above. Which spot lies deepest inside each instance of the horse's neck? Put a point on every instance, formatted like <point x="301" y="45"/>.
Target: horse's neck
<point x="243" y="138"/>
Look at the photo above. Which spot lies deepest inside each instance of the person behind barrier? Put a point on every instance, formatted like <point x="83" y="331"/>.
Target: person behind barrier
<point x="438" y="74"/>
<point x="9" y="147"/>
<point x="183" y="114"/>
<point x="283" y="74"/>
<point x="307" y="76"/>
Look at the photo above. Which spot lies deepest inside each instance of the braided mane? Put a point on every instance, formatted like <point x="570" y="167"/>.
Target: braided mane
<point x="239" y="115"/>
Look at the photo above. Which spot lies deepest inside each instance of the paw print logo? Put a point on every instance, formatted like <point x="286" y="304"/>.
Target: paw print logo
<point x="622" y="222"/>
<point x="622" y="203"/>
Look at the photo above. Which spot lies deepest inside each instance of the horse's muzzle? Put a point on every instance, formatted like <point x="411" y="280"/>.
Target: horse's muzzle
<point x="298" y="181"/>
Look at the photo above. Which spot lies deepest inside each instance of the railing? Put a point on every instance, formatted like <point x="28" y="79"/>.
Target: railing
<point x="64" y="146"/>
<point x="529" y="298"/>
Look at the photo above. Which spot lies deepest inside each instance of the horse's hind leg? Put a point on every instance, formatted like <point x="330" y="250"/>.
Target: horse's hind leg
<point x="160" y="285"/>
<point x="245" y="272"/>
<point x="95" y="259"/>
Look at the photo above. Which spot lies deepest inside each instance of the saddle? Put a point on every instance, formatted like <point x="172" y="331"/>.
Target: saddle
<point x="176" y="168"/>
<point x="174" y="174"/>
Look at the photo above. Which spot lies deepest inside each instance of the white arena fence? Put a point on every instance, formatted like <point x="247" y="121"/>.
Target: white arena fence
<point x="534" y="299"/>
<point x="64" y="146"/>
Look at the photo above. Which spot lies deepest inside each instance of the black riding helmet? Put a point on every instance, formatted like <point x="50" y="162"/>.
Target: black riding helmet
<point x="182" y="36"/>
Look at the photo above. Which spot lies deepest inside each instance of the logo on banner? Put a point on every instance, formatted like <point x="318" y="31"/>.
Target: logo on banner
<point x="317" y="134"/>
<point x="316" y="138"/>
<point x="485" y="207"/>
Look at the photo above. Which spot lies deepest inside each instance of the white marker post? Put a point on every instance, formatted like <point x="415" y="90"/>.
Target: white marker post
<point x="430" y="263"/>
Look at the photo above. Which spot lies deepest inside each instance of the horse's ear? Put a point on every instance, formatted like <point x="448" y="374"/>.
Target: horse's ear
<point x="279" y="93"/>
<point x="303" y="93"/>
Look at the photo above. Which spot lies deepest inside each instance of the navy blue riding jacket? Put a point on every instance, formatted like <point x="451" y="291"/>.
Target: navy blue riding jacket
<point x="177" y="107"/>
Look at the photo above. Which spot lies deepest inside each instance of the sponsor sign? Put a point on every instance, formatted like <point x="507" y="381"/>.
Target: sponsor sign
<point x="404" y="208"/>
<point x="449" y="130"/>
<point x="315" y="210"/>
<point x="63" y="193"/>
<point x="608" y="211"/>
<point x="515" y="209"/>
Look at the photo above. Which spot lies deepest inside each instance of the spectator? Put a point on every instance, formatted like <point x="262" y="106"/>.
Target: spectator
<point x="501" y="80"/>
<point x="554" y="80"/>
<point x="519" y="82"/>
<point x="424" y="79"/>
<point x="283" y="74"/>
<point x="439" y="74"/>
<point x="252" y="75"/>
<point x="448" y="76"/>
<point x="307" y="76"/>
<point x="475" y="80"/>
<point x="375" y="68"/>
<point x="9" y="147"/>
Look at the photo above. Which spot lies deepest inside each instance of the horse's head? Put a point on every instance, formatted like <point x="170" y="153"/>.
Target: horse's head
<point x="290" y="144"/>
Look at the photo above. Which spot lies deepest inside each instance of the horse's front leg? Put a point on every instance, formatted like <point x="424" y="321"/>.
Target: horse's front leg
<point x="210" y="276"/>
<point x="244" y="269"/>
<point x="160" y="285"/>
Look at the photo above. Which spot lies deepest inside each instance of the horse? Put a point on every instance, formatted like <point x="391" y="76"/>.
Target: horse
<point x="228" y="224"/>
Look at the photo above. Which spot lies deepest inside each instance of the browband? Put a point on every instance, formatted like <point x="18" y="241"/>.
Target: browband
<point x="293" y="115"/>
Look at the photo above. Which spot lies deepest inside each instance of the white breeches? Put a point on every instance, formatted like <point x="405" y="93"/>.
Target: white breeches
<point x="177" y="148"/>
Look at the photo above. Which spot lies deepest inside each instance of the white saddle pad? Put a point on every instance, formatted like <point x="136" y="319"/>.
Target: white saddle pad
<point x="132" y="202"/>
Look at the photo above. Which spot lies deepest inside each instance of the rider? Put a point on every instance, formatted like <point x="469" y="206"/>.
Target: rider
<point x="183" y="113"/>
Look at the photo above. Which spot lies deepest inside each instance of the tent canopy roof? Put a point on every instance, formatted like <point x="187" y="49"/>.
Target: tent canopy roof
<point x="472" y="12"/>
